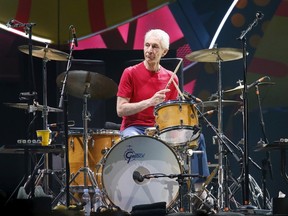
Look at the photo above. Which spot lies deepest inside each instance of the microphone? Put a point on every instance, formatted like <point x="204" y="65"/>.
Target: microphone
<point x="189" y="96"/>
<point x="259" y="15"/>
<point x="257" y="81"/>
<point x="112" y="125"/>
<point x="209" y="112"/>
<point x="70" y="124"/>
<point x="137" y="176"/>
<point x="16" y="24"/>
<point x="73" y="30"/>
<point x="10" y="23"/>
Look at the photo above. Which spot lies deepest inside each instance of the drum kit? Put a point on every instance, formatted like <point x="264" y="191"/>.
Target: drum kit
<point x="114" y="165"/>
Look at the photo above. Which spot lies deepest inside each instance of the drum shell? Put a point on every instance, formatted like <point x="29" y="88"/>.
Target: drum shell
<point x="176" y="122"/>
<point x="99" y="143"/>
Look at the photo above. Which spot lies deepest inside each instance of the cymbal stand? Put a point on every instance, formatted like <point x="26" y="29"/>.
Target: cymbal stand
<point x="45" y="117"/>
<point x="44" y="174"/>
<point x="85" y="169"/>
<point x="223" y="141"/>
<point x="221" y="202"/>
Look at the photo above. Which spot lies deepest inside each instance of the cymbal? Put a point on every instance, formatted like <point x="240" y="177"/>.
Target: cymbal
<point x="43" y="52"/>
<point x="214" y="103"/>
<point x="81" y="82"/>
<point x="215" y="55"/>
<point x="239" y="89"/>
<point x="32" y="108"/>
<point x="276" y="145"/>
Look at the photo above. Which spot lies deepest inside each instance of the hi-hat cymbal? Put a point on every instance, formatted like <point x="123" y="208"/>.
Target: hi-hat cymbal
<point x="81" y="82"/>
<point x="239" y="89"/>
<point x="45" y="53"/>
<point x="215" y="55"/>
<point x="214" y="103"/>
<point x="32" y="108"/>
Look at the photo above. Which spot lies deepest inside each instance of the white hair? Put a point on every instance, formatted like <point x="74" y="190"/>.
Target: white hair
<point x="161" y="35"/>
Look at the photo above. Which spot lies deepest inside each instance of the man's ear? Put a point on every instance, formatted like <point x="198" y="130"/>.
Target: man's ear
<point x="165" y="52"/>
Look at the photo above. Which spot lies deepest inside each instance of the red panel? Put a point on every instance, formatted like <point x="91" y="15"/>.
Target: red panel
<point x="282" y="9"/>
<point x="268" y="67"/>
<point x="96" y="15"/>
<point x="23" y="10"/>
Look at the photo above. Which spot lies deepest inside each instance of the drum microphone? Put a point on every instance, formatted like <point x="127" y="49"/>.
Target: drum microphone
<point x="189" y="96"/>
<point x="137" y="176"/>
<point x="209" y="112"/>
<point x="73" y="30"/>
<point x="258" y="81"/>
<point x="69" y="123"/>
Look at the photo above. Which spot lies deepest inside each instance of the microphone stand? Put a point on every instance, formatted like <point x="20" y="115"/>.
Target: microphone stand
<point x="63" y="99"/>
<point x="266" y="163"/>
<point x="180" y="180"/>
<point x="28" y="30"/>
<point x="246" y="199"/>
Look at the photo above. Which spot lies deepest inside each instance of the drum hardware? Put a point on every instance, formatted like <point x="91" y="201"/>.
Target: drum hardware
<point x="218" y="55"/>
<point x="35" y="106"/>
<point x="85" y="84"/>
<point x="215" y="103"/>
<point x="239" y="89"/>
<point x="46" y="55"/>
<point x="81" y="82"/>
<point x="242" y="38"/>
<point x="85" y="169"/>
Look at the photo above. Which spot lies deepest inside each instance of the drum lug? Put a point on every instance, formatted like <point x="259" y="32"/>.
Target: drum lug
<point x="72" y="143"/>
<point x="92" y="143"/>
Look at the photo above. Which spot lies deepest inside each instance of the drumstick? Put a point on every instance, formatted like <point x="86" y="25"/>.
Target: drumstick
<point x="179" y="91"/>
<point x="172" y="80"/>
<point x="175" y="71"/>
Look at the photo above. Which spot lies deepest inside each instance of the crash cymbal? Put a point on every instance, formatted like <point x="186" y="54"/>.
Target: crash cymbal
<point x="215" y="55"/>
<point x="32" y="108"/>
<point x="80" y="82"/>
<point x="214" y="103"/>
<point x="43" y="52"/>
<point x="239" y="89"/>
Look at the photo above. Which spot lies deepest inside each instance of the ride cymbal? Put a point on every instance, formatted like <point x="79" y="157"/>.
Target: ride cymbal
<point x="239" y="89"/>
<point x="215" y="55"/>
<point x="32" y="108"/>
<point x="81" y="82"/>
<point x="45" y="53"/>
<point x="214" y="103"/>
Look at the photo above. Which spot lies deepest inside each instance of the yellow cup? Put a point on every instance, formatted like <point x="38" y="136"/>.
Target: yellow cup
<point x="45" y="136"/>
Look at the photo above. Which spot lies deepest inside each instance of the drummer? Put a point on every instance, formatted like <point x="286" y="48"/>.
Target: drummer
<point x="143" y="86"/>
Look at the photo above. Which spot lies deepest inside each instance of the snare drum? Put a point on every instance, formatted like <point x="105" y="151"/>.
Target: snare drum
<point x="177" y="122"/>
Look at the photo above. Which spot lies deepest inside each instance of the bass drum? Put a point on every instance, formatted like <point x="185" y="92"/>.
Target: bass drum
<point x="140" y="155"/>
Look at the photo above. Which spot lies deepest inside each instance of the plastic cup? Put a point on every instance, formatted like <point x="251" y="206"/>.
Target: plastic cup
<point x="45" y="136"/>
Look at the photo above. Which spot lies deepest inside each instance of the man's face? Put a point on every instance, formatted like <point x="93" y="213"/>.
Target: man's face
<point x="153" y="50"/>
